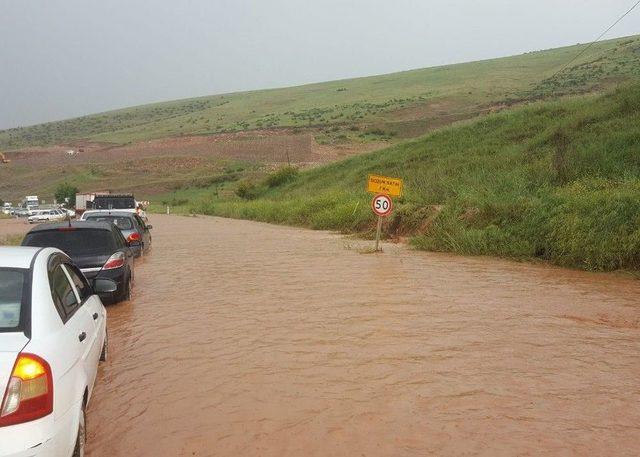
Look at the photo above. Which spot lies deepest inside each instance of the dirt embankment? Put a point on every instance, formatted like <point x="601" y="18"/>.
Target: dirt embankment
<point x="158" y="166"/>
<point x="268" y="146"/>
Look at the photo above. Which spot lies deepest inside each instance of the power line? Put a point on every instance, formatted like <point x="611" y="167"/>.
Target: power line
<point x="484" y="110"/>
<point x="594" y="41"/>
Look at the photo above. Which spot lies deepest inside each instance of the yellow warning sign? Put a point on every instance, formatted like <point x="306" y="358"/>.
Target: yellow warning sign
<point x="385" y="185"/>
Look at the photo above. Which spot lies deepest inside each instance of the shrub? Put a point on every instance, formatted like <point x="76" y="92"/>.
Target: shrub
<point x="282" y="176"/>
<point x="247" y="190"/>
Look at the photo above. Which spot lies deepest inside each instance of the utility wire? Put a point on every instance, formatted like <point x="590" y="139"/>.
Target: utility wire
<point x="484" y="110"/>
<point x="594" y="41"/>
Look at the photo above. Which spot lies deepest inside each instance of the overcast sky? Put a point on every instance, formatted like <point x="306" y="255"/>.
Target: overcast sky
<point x="65" y="58"/>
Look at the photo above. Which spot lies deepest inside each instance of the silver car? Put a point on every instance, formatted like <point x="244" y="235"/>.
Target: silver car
<point x="133" y="228"/>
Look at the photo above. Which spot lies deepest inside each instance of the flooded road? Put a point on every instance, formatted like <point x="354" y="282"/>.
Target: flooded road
<point x="246" y="339"/>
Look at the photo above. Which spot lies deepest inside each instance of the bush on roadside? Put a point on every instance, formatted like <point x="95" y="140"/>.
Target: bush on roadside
<point x="282" y="176"/>
<point x="247" y="190"/>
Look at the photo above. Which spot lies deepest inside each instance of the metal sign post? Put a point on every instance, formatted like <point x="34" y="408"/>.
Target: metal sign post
<point x="382" y="206"/>
<point x="378" y="232"/>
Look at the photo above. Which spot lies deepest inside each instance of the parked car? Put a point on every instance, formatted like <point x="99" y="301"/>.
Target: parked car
<point x="53" y="332"/>
<point x="134" y="229"/>
<point x="98" y="248"/>
<point x="22" y="212"/>
<point x="47" y="215"/>
<point x="32" y="214"/>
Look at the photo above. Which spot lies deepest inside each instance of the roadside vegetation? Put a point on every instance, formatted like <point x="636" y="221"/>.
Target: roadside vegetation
<point x="11" y="240"/>
<point x="557" y="181"/>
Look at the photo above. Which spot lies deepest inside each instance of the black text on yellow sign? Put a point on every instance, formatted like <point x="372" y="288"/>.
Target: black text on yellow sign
<point x="385" y="185"/>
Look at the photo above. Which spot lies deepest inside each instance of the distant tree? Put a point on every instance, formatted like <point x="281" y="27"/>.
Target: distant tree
<point x="64" y="191"/>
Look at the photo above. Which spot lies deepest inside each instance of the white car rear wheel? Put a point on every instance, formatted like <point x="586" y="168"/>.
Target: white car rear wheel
<point x="105" y="348"/>
<point x="81" y="439"/>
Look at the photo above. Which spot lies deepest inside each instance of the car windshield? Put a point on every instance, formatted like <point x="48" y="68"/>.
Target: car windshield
<point x="74" y="242"/>
<point x="123" y="223"/>
<point x="12" y="291"/>
<point x="114" y="203"/>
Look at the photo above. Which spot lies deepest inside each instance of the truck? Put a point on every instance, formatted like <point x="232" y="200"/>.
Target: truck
<point x="85" y="201"/>
<point x="31" y="201"/>
<point x="122" y="202"/>
<point x="119" y="202"/>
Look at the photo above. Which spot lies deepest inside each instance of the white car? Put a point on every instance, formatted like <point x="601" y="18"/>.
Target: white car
<point x="47" y="215"/>
<point x="53" y="332"/>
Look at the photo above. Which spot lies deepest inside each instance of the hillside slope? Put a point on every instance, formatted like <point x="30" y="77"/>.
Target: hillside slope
<point x="403" y="104"/>
<point x="558" y="181"/>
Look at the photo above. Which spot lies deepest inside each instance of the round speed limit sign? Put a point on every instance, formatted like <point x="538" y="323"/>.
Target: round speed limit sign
<point x="382" y="205"/>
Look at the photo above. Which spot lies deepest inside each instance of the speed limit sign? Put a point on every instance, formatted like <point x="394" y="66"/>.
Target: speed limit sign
<point x="382" y="205"/>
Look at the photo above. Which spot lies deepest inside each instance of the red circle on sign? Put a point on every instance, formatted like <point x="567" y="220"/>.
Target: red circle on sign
<point x="382" y="205"/>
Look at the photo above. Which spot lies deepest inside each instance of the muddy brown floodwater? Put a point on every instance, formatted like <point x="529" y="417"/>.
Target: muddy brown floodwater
<point x="246" y="339"/>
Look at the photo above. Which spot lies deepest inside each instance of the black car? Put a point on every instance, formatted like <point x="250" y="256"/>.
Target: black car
<point x="97" y="248"/>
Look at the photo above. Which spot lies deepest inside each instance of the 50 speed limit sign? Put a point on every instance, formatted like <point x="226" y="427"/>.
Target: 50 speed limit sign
<point x="382" y="205"/>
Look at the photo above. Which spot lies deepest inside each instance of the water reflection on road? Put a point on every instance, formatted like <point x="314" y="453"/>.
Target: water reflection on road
<point x="250" y="339"/>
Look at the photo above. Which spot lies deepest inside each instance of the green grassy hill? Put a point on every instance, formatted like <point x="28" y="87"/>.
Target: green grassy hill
<point x="403" y="104"/>
<point x="558" y="181"/>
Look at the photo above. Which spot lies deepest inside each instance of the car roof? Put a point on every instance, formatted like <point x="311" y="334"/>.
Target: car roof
<point x="17" y="256"/>
<point x="75" y="224"/>
<point x="108" y="212"/>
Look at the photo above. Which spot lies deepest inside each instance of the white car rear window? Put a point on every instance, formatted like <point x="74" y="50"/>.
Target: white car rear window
<point x="12" y="285"/>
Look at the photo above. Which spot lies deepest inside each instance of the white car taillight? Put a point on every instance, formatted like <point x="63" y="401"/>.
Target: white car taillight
<point x="29" y="395"/>
<point x="115" y="261"/>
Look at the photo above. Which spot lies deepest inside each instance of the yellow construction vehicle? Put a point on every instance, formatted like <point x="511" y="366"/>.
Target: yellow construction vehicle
<point x="3" y="158"/>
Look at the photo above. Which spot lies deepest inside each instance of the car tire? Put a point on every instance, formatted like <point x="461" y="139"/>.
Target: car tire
<point x="126" y="295"/>
<point x="81" y="438"/>
<point x="105" y="348"/>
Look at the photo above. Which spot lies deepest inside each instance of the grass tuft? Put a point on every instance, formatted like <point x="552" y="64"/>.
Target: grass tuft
<point x="11" y="240"/>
